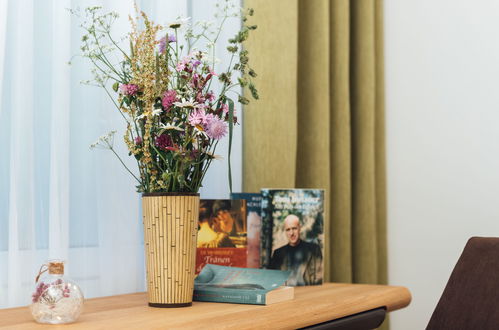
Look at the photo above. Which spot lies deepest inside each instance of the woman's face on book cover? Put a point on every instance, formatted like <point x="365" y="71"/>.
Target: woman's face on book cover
<point x="225" y="221"/>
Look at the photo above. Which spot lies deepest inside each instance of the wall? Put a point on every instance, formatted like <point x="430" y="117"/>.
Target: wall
<point x="442" y="110"/>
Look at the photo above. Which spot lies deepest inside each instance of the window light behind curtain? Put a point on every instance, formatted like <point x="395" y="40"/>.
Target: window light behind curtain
<point x="58" y="198"/>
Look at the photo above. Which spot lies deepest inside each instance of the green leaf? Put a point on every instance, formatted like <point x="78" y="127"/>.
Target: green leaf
<point x="231" y="128"/>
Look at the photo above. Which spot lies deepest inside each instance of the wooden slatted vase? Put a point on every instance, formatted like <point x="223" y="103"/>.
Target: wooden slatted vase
<point x="170" y="233"/>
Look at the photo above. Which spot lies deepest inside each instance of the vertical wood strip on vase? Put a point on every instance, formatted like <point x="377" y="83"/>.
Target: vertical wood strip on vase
<point x="178" y="209"/>
<point x="193" y="232"/>
<point x="189" y="270"/>
<point x="175" y="249"/>
<point x="168" y="243"/>
<point x="185" y="206"/>
<point x="169" y="246"/>
<point x="162" y="211"/>
<point x="179" y="251"/>
<point x="149" y="250"/>
<point x="145" y="217"/>
<point x="155" y="249"/>
<point x="185" y="257"/>
<point x="157" y="206"/>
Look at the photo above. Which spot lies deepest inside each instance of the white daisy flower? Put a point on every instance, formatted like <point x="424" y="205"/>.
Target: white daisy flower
<point x="157" y="112"/>
<point x="186" y="104"/>
<point x="198" y="131"/>
<point x="170" y="126"/>
<point x="179" y="22"/>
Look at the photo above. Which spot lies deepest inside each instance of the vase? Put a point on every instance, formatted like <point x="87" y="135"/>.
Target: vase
<point x="170" y="233"/>
<point x="55" y="299"/>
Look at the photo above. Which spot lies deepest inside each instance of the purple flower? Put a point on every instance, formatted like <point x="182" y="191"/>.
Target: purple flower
<point x="162" y="42"/>
<point x="129" y="89"/>
<point x="163" y="142"/>
<point x="169" y="97"/>
<point x="162" y="45"/>
<point x="216" y="128"/>
<point x="138" y="140"/>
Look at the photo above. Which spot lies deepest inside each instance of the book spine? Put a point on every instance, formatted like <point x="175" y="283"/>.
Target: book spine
<point x="266" y="230"/>
<point x="230" y="296"/>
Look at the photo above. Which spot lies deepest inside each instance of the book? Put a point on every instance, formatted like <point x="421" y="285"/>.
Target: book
<point x="254" y="225"/>
<point x="221" y="233"/>
<point x="292" y="235"/>
<point x="241" y="285"/>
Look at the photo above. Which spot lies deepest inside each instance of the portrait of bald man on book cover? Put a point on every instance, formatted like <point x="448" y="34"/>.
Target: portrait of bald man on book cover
<point x="297" y="238"/>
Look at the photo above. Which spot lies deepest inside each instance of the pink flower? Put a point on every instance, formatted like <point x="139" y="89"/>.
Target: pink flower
<point x="210" y="96"/>
<point x="138" y="140"/>
<point x="198" y="117"/>
<point x="129" y="89"/>
<point x="183" y="63"/>
<point x="169" y="97"/>
<point x="225" y="108"/>
<point x="39" y="290"/>
<point x="216" y="128"/>
<point x="66" y="292"/>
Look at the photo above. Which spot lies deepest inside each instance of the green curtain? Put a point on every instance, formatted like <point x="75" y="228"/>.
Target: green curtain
<point x="319" y="122"/>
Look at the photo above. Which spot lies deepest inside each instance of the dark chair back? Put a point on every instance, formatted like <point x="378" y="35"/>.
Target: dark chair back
<point x="471" y="298"/>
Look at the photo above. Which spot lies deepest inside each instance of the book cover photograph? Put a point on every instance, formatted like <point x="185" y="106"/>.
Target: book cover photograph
<point x="293" y="233"/>
<point x="221" y="233"/>
<point x="242" y="285"/>
<point x="254" y="225"/>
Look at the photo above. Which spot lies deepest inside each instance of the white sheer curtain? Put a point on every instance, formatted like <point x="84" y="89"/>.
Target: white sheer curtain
<point x="58" y="199"/>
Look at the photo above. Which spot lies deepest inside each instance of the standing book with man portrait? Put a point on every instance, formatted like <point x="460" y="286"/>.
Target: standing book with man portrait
<point x="293" y="233"/>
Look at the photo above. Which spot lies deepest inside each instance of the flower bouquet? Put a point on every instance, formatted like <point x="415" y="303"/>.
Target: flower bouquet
<point x="165" y="91"/>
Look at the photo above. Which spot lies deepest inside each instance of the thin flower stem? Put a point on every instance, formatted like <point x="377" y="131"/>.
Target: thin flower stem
<point x="106" y="74"/>
<point x="126" y="167"/>
<point x="114" y="102"/>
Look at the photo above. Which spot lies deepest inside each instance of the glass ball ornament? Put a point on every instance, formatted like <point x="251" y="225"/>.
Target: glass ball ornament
<point x="56" y="299"/>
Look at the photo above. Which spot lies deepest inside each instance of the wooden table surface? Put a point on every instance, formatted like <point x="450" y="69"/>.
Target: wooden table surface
<point x="312" y="305"/>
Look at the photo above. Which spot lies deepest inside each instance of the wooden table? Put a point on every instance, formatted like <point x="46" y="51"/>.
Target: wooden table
<point x="312" y="305"/>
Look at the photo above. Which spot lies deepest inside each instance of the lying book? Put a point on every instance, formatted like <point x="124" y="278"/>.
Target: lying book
<point x="242" y="285"/>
